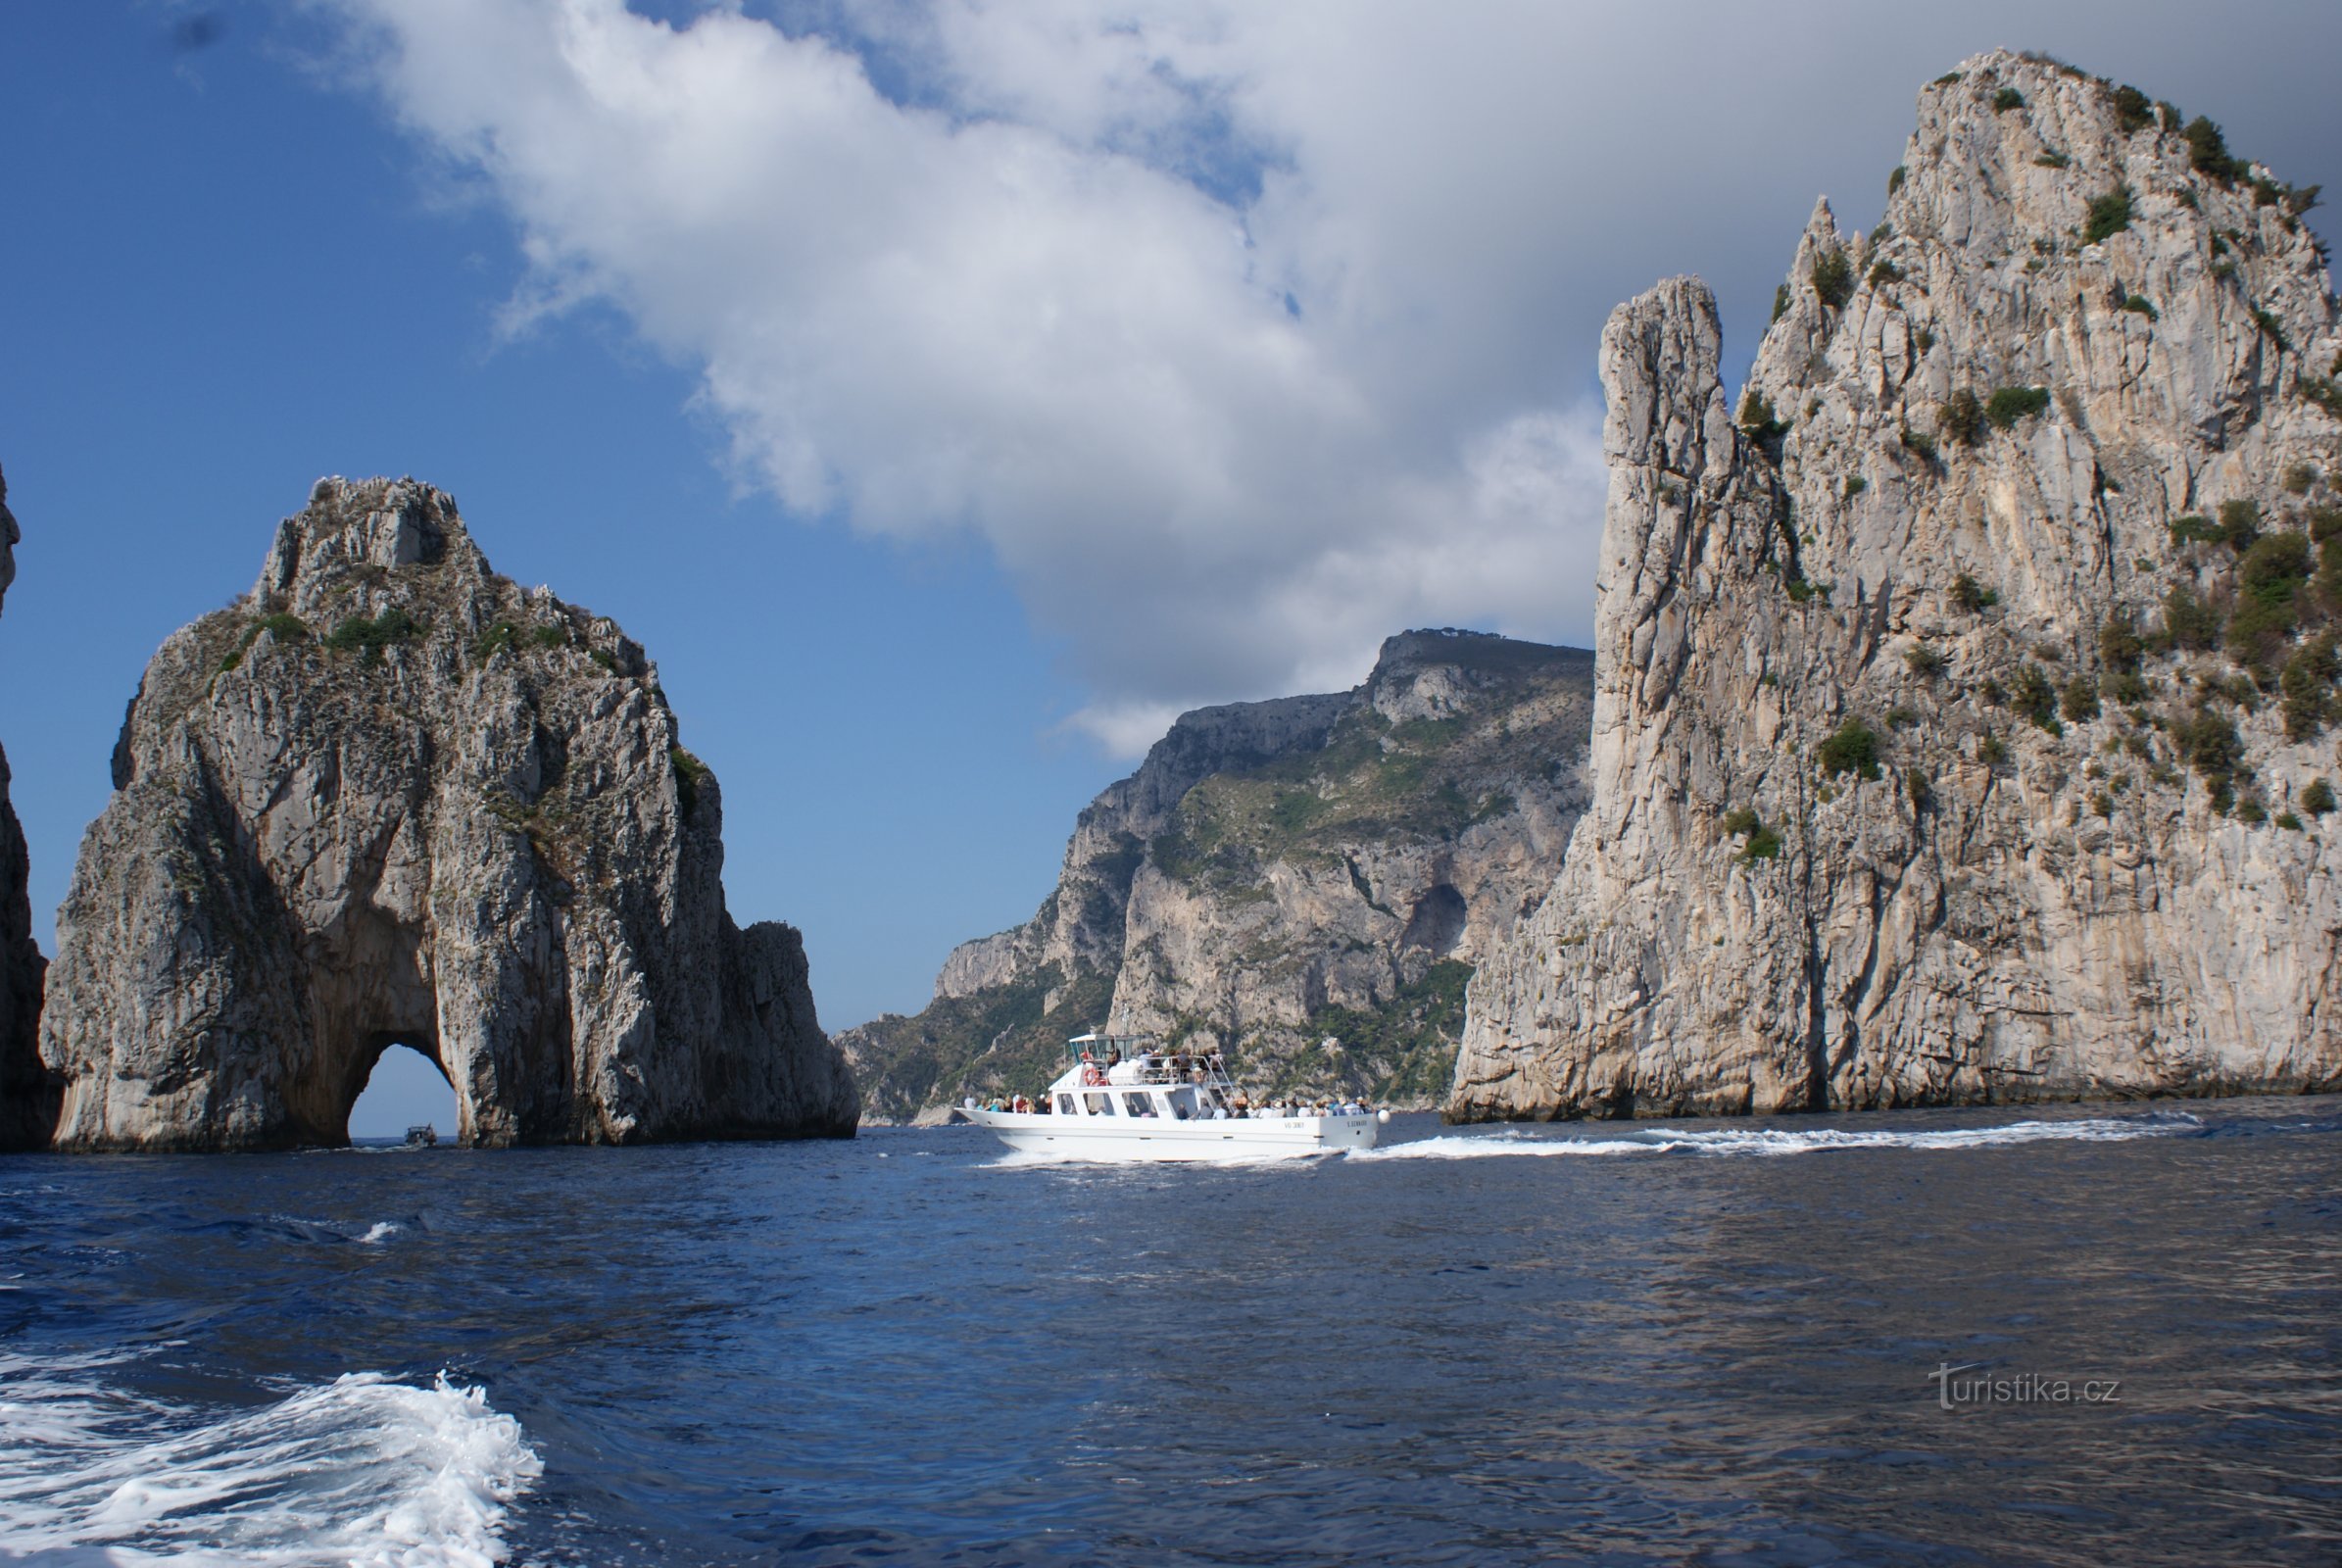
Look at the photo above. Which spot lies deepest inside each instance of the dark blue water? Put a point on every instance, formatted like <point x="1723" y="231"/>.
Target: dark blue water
<point x="1713" y="1348"/>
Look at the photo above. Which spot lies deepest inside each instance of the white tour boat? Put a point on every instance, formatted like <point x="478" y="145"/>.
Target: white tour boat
<point x="1121" y="1099"/>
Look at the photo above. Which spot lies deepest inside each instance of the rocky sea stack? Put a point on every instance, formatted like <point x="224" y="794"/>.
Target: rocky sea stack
<point x="390" y="797"/>
<point x="1964" y="694"/>
<point x="27" y="1093"/>
<point x="1306" y="883"/>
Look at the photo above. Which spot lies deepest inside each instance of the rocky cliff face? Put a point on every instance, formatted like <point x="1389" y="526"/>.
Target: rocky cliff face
<point x="28" y="1093"/>
<point x="1964" y="702"/>
<point x="1278" y="875"/>
<point x="390" y="797"/>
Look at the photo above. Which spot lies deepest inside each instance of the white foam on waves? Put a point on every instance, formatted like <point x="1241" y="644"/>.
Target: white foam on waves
<point x="1773" y="1141"/>
<point x="360" y="1471"/>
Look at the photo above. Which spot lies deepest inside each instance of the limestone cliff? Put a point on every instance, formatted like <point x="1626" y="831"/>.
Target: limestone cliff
<point x="1305" y="882"/>
<point x="391" y="797"/>
<point x="28" y="1093"/>
<point x="1964" y="694"/>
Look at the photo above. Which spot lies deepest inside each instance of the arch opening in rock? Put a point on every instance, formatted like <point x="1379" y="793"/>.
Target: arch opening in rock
<point x="404" y="1086"/>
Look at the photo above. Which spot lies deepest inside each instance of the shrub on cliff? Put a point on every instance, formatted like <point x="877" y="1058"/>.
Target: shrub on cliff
<point x="2269" y="577"/>
<point x="2135" y="112"/>
<point x="2318" y="799"/>
<point x="2078" y="702"/>
<point x="2208" y="743"/>
<point x="1961" y="421"/>
<point x="691" y="774"/>
<point x="494" y="640"/>
<point x="2308" y="687"/>
<point x="2010" y="404"/>
<point x="1763" y="844"/>
<point x="2108" y="217"/>
<point x="1852" y="748"/>
<point x="2036" y="698"/>
<point x="284" y="628"/>
<point x="1971" y="596"/>
<point x="2207" y="152"/>
<point x="2120" y="643"/>
<point x="369" y="638"/>
<point x="1833" y="278"/>
<point x="2188" y="622"/>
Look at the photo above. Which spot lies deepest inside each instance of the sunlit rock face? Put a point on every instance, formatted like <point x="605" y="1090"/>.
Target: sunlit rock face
<point x="1965" y="698"/>
<point x="390" y="797"/>
<point x="27" y="1093"/>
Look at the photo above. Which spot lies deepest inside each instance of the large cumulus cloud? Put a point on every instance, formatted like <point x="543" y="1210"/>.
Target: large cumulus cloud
<point x="1243" y="334"/>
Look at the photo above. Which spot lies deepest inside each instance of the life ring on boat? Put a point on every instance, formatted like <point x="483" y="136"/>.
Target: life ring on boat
<point x="1091" y="1077"/>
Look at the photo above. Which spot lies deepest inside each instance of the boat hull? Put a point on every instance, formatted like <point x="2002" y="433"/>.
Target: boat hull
<point x="1128" y="1140"/>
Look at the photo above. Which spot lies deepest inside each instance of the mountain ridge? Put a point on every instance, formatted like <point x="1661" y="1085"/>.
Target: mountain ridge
<point x="1275" y="875"/>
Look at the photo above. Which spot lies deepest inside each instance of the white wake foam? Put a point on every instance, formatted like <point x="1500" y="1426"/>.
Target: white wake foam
<point x="360" y="1471"/>
<point x="1769" y="1141"/>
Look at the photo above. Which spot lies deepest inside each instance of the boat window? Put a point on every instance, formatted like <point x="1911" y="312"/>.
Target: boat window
<point x="1183" y="1103"/>
<point x="1065" y="1105"/>
<point x="1136" y="1105"/>
<point x="1099" y="1104"/>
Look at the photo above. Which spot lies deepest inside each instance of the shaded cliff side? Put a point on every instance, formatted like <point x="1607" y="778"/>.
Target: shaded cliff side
<point x="28" y="1091"/>
<point x="390" y="797"/>
<point x="1965" y="695"/>
<point x="1305" y="882"/>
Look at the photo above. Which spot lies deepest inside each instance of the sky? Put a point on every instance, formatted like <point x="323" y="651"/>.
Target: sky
<point x="947" y="394"/>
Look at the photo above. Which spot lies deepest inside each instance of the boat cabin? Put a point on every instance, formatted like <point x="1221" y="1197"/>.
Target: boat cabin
<point x="1125" y="1076"/>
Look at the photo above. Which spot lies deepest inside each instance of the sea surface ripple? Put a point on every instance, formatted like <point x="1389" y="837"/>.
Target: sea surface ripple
<point x="1682" y="1347"/>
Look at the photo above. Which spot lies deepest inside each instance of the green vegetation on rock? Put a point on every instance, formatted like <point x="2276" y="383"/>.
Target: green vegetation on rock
<point x="369" y="638"/>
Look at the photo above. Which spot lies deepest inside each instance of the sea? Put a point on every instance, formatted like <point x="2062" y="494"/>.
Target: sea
<point x="2076" y="1335"/>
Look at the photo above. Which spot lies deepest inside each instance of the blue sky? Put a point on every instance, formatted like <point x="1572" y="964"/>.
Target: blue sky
<point x="943" y="395"/>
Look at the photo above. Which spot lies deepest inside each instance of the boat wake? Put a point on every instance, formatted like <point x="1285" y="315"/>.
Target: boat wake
<point x="1774" y="1141"/>
<point x="361" y="1470"/>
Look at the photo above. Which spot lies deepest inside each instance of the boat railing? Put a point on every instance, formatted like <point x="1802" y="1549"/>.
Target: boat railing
<point x="1161" y="1075"/>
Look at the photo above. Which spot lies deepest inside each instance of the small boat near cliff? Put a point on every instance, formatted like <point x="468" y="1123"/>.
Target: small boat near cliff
<point x="1121" y="1100"/>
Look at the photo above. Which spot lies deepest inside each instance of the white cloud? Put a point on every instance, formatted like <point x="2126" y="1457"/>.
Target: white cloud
<point x="1093" y="289"/>
<point x="1242" y="334"/>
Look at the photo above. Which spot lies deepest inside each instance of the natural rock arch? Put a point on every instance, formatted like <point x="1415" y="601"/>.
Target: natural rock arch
<point x="388" y="795"/>
<point x="367" y="1065"/>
